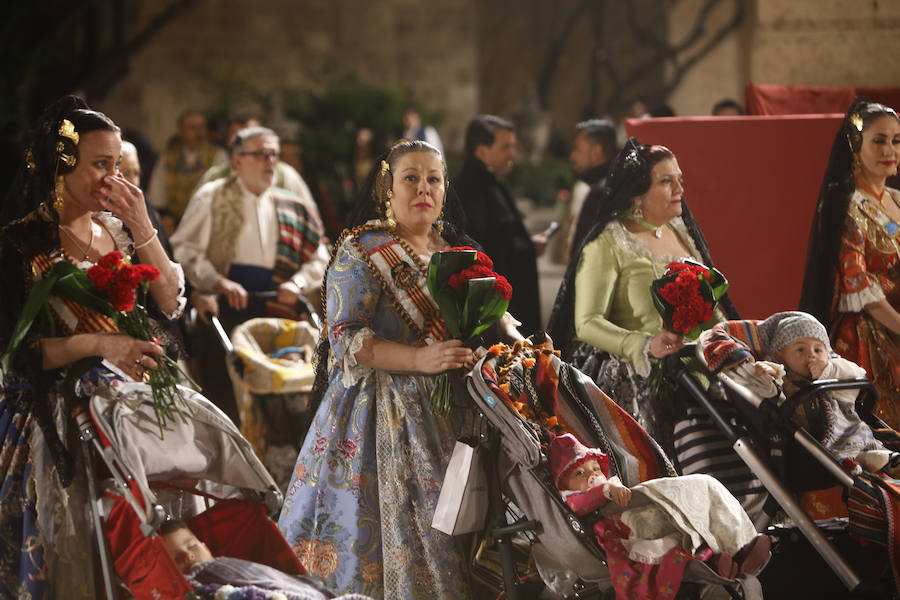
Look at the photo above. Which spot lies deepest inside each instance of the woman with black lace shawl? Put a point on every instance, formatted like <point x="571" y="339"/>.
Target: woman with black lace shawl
<point x="604" y="321"/>
<point x="852" y="280"/>
<point x="69" y="204"/>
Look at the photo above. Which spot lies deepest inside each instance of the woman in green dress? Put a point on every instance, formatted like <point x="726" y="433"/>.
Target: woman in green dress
<point x="604" y="320"/>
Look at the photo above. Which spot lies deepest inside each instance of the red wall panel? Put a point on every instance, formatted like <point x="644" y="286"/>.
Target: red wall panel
<point x="752" y="183"/>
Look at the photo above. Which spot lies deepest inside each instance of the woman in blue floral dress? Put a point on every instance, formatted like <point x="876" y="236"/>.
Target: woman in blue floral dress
<point x="358" y="509"/>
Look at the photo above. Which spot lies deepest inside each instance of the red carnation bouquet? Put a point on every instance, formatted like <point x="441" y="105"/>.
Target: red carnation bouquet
<point x="686" y="296"/>
<point x="115" y="288"/>
<point x="471" y="297"/>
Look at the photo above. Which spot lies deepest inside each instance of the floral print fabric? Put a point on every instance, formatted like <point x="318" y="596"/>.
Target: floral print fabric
<point x="869" y="270"/>
<point x="358" y="509"/>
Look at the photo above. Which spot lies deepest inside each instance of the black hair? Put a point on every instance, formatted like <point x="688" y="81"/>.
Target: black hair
<point x="481" y="131"/>
<point x="172" y="525"/>
<point x="630" y="176"/>
<point x="727" y="103"/>
<point x="49" y="153"/>
<point x="819" y="293"/>
<point x="600" y="132"/>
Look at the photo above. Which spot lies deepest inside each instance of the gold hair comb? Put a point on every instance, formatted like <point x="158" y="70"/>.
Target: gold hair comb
<point x="67" y="129"/>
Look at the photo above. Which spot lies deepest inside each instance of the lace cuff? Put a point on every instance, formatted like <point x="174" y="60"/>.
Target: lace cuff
<point x="354" y="371"/>
<point x="182" y="299"/>
<point x="642" y="365"/>
<point x="857" y="301"/>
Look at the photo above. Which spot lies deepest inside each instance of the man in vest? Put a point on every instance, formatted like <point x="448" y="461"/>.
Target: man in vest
<point x="241" y="234"/>
<point x="178" y="170"/>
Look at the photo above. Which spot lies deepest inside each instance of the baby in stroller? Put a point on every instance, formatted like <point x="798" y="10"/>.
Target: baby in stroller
<point x="194" y="558"/>
<point x="670" y="520"/>
<point x="785" y="353"/>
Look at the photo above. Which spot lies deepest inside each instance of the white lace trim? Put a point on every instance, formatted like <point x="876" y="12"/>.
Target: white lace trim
<point x="630" y="242"/>
<point x="182" y="299"/>
<point x="353" y="370"/>
<point x="857" y="301"/>
<point x="116" y="229"/>
<point x="643" y="368"/>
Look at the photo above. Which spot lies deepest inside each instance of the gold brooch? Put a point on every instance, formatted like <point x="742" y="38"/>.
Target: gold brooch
<point x="856" y="121"/>
<point x="385" y="167"/>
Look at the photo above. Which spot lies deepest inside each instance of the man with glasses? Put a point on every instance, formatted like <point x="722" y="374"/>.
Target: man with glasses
<point x="286" y="176"/>
<point x="241" y="234"/>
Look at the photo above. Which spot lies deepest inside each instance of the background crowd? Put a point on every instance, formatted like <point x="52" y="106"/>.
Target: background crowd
<point x="225" y="225"/>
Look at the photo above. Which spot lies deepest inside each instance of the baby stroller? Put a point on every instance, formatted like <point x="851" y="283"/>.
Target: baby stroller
<point x="542" y="393"/>
<point x="201" y="471"/>
<point x="789" y="461"/>
<point x="272" y="394"/>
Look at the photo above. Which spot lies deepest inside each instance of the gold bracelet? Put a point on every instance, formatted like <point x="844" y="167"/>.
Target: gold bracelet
<point x="147" y="241"/>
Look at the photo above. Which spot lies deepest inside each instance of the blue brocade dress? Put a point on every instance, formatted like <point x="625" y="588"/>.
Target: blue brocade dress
<point x="359" y="506"/>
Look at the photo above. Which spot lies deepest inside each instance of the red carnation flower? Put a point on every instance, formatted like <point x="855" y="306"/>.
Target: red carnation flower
<point x="111" y="260"/>
<point x="99" y="276"/>
<point x="484" y="260"/>
<point x="502" y="287"/>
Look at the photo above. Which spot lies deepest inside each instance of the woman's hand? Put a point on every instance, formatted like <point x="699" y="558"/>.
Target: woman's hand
<point x="126" y="201"/>
<point x="131" y="355"/>
<point x="442" y="356"/>
<point x="665" y="343"/>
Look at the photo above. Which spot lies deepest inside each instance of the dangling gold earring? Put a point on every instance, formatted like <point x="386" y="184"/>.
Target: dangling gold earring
<point x="388" y="212"/>
<point x="440" y="222"/>
<point x="855" y="166"/>
<point x="59" y="202"/>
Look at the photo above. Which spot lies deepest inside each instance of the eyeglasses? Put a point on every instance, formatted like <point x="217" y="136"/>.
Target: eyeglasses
<point x="263" y="154"/>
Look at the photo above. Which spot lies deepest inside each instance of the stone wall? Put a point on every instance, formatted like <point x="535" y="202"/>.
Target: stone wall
<point x="796" y="42"/>
<point x="468" y="56"/>
<point x="227" y="50"/>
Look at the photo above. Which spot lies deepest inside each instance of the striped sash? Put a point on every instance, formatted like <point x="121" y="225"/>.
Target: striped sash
<point x="403" y="278"/>
<point x="299" y="234"/>
<point x="71" y="316"/>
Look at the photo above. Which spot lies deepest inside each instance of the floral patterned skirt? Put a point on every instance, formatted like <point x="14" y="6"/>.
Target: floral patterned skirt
<point x="865" y="341"/>
<point x="358" y="509"/>
<point x="22" y="573"/>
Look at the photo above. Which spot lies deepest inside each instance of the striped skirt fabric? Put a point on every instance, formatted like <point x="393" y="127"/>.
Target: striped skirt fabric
<point x="701" y="448"/>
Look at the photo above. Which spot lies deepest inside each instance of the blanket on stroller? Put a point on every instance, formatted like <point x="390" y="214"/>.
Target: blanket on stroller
<point x="551" y="397"/>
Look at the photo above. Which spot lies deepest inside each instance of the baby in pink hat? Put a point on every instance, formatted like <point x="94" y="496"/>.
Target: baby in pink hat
<point x="648" y="544"/>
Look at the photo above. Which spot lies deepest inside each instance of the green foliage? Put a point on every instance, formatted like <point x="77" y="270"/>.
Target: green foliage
<point x="330" y="117"/>
<point x="540" y="181"/>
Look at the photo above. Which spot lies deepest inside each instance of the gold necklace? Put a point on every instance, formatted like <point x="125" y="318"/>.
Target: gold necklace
<point x="75" y="241"/>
